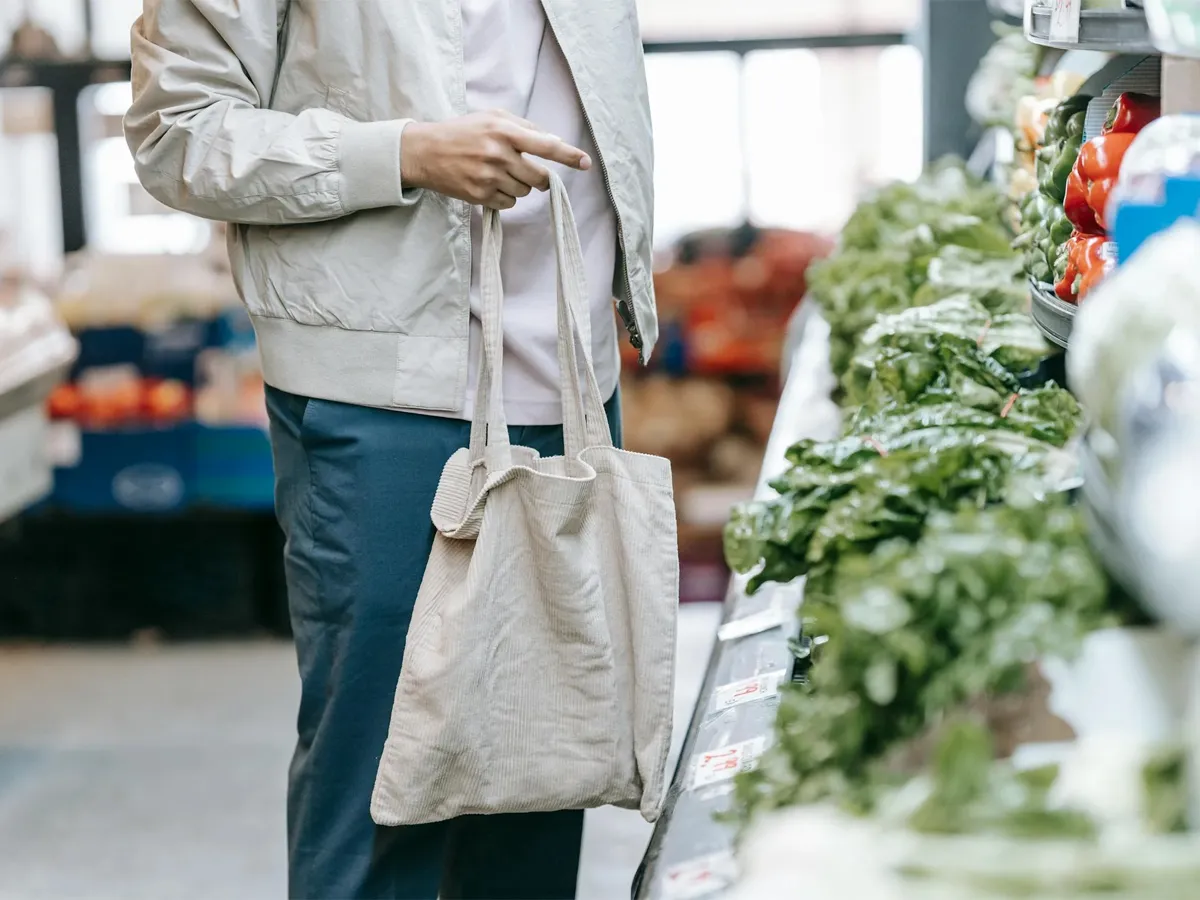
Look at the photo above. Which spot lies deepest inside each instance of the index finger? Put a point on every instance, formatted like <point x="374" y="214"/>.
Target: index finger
<point x="548" y="147"/>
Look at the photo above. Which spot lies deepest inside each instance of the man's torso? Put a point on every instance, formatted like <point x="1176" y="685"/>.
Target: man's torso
<point x="374" y="308"/>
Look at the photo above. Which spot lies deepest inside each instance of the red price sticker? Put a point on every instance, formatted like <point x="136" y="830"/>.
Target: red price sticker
<point x="1064" y="21"/>
<point x="699" y="877"/>
<point x="760" y="687"/>
<point x="722" y="764"/>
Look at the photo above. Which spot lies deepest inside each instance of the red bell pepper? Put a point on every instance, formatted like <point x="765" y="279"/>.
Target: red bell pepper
<point x="1092" y="264"/>
<point x="1131" y="113"/>
<point x="1076" y="207"/>
<point x="1098" y="166"/>
<point x="1086" y="267"/>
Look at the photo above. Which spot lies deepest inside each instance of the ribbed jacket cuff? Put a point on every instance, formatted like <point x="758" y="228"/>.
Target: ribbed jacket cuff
<point x="369" y="161"/>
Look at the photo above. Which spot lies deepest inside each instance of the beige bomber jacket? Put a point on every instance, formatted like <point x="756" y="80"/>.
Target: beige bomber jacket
<point x="284" y="118"/>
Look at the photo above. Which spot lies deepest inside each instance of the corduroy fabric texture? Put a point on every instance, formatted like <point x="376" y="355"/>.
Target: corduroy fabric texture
<point x="538" y="672"/>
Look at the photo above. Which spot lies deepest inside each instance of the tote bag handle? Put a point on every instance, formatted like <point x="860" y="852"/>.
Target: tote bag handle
<point x="585" y="423"/>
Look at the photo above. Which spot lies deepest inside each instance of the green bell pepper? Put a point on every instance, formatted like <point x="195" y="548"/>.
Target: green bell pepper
<point x="1059" y="119"/>
<point x="1060" y="264"/>
<point x="1036" y="212"/>
<point x="1052" y="179"/>
<point x="1038" y="247"/>
<point x="1037" y="268"/>
<point x="1043" y="162"/>
<point x="1058" y="225"/>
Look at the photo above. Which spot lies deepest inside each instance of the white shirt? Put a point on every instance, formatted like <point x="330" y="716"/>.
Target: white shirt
<point x="514" y="63"/>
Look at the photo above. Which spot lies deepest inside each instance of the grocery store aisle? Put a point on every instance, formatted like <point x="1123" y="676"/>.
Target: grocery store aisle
<point x="152" y="772"/>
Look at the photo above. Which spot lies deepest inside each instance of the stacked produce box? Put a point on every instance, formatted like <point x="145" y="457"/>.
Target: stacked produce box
<point x="708" y="402"/>
<point x="164" y="407"/>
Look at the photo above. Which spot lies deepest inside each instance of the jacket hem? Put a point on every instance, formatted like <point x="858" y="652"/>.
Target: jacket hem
<point x="383" y="369"/>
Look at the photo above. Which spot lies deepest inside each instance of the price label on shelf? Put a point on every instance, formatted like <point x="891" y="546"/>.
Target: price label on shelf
<point x="773" y="616"/>
<point x="699" y="877"/>
<point x="760" y="687"/>
<point x="721" y="765"/>
<point x="1064" y="21"/>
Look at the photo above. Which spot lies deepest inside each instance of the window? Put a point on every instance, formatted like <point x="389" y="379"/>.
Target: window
<point x="121" y="216"/>
<point x="790" y="138"/>
<point x="666" y="20"/>
<point x="785" y="137"/>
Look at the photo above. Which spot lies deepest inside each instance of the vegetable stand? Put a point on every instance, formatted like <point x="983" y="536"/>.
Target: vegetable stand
<point x="690" y="853"/>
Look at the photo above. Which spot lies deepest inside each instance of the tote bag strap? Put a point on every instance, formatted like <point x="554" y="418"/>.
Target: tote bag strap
<point x="585" y="423"/>
<point x="489" y="426"/>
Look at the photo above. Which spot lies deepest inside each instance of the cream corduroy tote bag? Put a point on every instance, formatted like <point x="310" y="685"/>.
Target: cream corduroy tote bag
<point x="539" y="667"/>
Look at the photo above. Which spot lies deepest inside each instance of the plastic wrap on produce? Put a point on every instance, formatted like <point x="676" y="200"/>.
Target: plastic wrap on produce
<point x="1124" y="322"/>
<point x="1166" y="148"/>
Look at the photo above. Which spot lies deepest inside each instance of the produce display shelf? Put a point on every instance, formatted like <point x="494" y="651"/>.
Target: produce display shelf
<point x="1054" y="317"/>
<point x="691" y="851"/>
<point x="1104" y="30"/>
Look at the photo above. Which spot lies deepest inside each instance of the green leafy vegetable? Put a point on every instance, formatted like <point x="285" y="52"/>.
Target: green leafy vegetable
<point x="915" y="632"/>
<point x="1048" y="414"/>
<point x="959" y="323"/>
<point x="1165" y="782"/>
<point x="994" y="278"/>
<point x="898" y="236"/>
<point x="848" y="495"/>
<point x="945" y="187"/>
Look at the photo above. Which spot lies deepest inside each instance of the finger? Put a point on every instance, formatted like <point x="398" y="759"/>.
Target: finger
<point x="529" y="172"/>
<point x="547" y="146"/>
<point x="516" y="120"/>
<point x="514" y="187"/>
<point x="501" y="200"/>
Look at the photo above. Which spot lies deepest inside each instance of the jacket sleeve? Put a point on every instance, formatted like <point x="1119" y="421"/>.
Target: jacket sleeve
<point x="202" y="142"/>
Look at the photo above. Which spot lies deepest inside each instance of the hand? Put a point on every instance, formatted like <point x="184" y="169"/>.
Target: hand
<point x="480" y="158"/>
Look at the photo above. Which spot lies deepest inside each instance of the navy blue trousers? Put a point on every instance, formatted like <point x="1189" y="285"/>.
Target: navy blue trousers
<point x="354" y="487"/>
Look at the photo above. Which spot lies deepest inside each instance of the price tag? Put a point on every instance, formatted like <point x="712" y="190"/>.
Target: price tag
<point x="721" y="765"/>
<point x="772" y="617"/>
<point x="699" y="877"/>
<point x="1064" y="21"/>
<point x="760" y="687"/>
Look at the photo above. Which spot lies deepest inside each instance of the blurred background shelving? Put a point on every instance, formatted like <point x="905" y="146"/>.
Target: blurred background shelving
<point x="786" y="112"/>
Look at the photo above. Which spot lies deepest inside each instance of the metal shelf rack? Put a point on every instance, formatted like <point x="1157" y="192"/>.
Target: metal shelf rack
<point x="1104" y="30"/>
<point x="691" y="850"/>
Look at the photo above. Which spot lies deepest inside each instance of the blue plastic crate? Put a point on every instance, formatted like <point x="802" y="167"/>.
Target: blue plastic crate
<point x="166" y="352"/>
<point x="232" y="328"/>
<point x="234" y="468"/>
<point x="142" y="470"/>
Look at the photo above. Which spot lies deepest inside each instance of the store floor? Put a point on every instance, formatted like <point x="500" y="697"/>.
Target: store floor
<point x="157" y="772"/>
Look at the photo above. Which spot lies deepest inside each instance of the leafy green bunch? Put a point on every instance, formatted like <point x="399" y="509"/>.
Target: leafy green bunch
<point x="944" y="189"/>
<point x="954" y="349"/>
<point x="992" y="277"/>
<point x="918" y="630"/>
<point x="896" y="251"/>
<point x="884" y="480"/>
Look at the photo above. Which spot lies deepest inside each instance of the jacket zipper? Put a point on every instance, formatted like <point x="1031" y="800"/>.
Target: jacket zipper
<point x="625" y="308"/>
